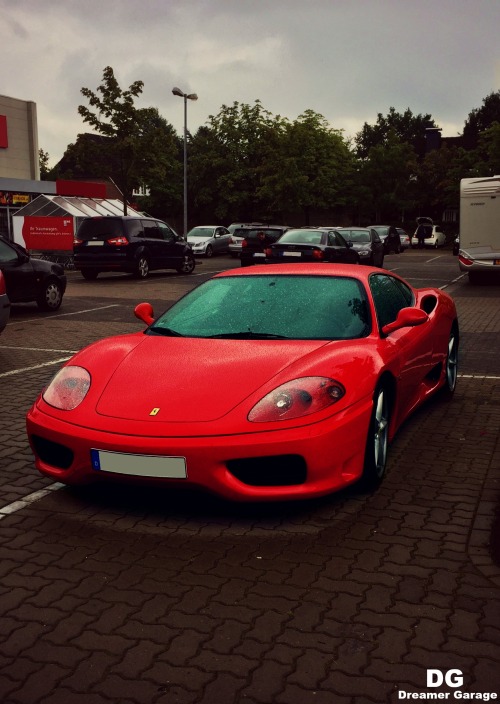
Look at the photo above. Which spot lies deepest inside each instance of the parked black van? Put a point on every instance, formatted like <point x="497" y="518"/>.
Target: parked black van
<point x="130" y="244"/>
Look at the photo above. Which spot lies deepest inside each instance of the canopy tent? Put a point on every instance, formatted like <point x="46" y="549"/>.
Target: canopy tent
<point x="49" y="222"/>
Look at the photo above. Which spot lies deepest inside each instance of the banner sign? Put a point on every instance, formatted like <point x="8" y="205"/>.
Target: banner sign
<point x="48" y="233"/>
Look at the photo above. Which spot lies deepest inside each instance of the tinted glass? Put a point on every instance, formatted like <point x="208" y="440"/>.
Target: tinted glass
<point x="269" y="234"/>
<point x="165" y="232"/>
<point x="100" y="227"/>
<point x="356" y="235"/>
<point x="389" y="297"/>
<point x="151" y="229"/>
<point x="7" y="254"/>
<point x="302" y="237"/>
<point x="292" y="307"/>
<point x="134" y="228"/>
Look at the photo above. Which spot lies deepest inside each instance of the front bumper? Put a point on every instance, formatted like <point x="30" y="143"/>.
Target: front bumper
<point x="332" y="452"/>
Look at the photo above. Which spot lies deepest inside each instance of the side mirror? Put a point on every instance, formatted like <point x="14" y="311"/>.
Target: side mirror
<point x="349" y="243"/>
<point x="407" y="318"/>
<point x="144" y="311"/>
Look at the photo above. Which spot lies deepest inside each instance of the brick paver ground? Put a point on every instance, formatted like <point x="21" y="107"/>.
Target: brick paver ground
<point x="143" y="597"/>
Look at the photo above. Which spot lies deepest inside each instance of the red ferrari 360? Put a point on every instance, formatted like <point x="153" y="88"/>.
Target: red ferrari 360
<point x="263" y="383"/>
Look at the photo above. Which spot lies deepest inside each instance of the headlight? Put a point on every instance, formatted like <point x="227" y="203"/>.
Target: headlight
<point x="297" y="398"/>
<point x="68" y="388"/>
<point x="364" y="253"/>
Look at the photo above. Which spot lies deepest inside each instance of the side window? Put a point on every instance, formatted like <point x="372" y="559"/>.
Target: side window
<point x="339" y="240"/>
<point x="375" y="236"/>
<point x="388" y="298"/>
<point x="134" y="228"/>
<point x="151" y="230"/>
<point x="331" y="239"/>
<point x="407" y="292"/>
<point x="7" y="254"/>
<point x="165" y="232"/>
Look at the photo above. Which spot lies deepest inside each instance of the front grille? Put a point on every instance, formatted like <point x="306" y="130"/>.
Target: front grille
<point x="277" y="470"/>
<point x="52" y="453"/>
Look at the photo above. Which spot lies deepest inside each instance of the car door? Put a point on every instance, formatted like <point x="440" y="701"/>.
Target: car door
<point x="412" y="346"/>
<point x="377" y="248"/>
<point x="20" y="280"/>
<point x="153" y="245"/>
<point x="338" y="250"/>
<point x="222" y="239"/>
<point x="172" y="251"/>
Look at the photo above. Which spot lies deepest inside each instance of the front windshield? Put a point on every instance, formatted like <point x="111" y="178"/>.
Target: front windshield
<point x="356" y="235"/>
<point x="201" y="232"/>
<point x="295" y="307"/>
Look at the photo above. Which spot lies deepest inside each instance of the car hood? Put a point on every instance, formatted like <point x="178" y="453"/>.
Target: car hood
<point x="198" y="240"/>
<point x="192" y="379"/>
<point x="359" y="246"/>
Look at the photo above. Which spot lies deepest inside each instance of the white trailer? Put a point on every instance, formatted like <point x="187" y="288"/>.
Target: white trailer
<point x="479" y="247"/>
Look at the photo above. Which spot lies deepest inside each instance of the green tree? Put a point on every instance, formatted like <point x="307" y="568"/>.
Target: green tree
<point x="226" y="158"/>
<point x="43" y="160"/>
<point x="406" y="126"/>
<point x="386" y="180"/>
<point x="488" y="151"/>
<point x="480" y="119"/>
<point x="310" y="167"/>
<point x="116" y="117"/>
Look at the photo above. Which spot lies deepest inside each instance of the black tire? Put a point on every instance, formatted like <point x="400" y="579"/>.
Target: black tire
<point x="377" y="442"/>
<point x="188" y="264"/>
<point x="50" y="295"/>
<point x="209" y="252"/>
<point x="451" y="364"/>
<point x="142" y="267"/>
<point x="89" y="274"/>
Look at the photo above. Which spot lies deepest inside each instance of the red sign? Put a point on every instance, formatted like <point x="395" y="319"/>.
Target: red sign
<point x="46" y="233"/>
<point x="4" y="142"/>
<point x="84" y="189"/>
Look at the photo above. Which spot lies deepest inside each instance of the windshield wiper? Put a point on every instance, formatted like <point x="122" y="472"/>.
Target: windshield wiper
<point x="248" y="335"/>
<point x="168" y="332"/>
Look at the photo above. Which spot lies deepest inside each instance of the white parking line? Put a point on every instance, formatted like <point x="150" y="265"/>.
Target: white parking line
<point x="36" y="349"/>
<point x="35" y="366"/>
<point x="427" y="261"/>
<point x="27" y="500"/>
<point x="61" y="315"/>
<point x="479" y="376"/>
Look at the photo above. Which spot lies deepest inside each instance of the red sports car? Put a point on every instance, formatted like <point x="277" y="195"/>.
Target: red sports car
<point x="268" y="382"/>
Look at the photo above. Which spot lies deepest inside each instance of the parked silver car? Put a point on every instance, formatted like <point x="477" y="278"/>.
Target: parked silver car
<point x="209" y="239"/>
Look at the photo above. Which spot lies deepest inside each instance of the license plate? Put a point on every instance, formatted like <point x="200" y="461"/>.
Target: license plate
<point x="292" y="254"/>
<point x="159" y="466"/>
<point x="259" y="255"/>
<point x="95" y="244"/>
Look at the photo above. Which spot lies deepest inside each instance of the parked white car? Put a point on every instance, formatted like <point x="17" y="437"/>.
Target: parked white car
<point x="209" y="239"/>
<point x="403" y="238"/>
<point x="434" y="235"/>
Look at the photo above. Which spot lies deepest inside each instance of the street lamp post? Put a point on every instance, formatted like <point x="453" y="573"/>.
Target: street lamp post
<point x="186" y="96"/>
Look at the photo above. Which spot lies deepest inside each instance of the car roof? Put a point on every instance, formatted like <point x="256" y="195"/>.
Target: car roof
<point x="304" y="269"/>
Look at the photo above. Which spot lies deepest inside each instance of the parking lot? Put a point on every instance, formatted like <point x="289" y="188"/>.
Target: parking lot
<point x="139" y="596"/>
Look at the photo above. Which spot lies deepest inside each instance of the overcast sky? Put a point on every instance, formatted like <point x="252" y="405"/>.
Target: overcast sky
<point x="346" y="59"/>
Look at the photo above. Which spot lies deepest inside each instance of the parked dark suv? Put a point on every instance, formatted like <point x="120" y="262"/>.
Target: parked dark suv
<point x="131" y="244"/>
<point x="256" y="240"/>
